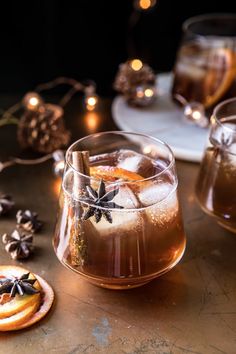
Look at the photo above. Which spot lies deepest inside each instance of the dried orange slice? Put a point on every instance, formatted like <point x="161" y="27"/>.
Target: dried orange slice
<point x="18" y="303"/>
<point x="220" y="75"/>
<point x="112" y="173"/>
<point x="30" y="308"/>
<point x="47" y="301"/>
<point x="13" y="322"/>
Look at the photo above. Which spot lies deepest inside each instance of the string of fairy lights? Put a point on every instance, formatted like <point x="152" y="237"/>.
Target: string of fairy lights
<point x="143" y="93"/>
<point x="33" y="102"/>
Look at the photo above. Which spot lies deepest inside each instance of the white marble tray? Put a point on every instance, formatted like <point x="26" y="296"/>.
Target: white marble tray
<point x="163" y="120"/>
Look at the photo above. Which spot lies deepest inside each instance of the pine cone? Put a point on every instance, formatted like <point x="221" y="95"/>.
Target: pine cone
<point x="28" y="221"/>
<point x="128" y="82"/>
<point x="19" y="245"/>
<point x="6" y="204"/>
<point x="43" y="130"/>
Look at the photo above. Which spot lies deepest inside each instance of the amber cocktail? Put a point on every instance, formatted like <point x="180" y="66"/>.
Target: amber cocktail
<point x="124" y="226"/>
<point x="205" y="69"/>
<point x="216" y="185"/>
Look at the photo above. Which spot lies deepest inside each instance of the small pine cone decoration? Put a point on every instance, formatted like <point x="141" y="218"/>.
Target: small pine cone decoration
<point x="43" y="130"/>
<point x="133" y="83"/>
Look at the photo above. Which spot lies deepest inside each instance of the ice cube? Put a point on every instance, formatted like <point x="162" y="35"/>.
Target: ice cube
<point x="122" y="219"/>
<point x="134" y="162"/>
<point x="166" y="203"/>
<point x="153" y="192"/>
<point x="126" y="197"/>
<point x="122" y="222"/>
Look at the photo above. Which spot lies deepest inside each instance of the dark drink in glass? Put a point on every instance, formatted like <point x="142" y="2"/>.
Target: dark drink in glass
<point x="138" y="233"/>
<point x="205" y="69"/>
<point x="216" y="184"/>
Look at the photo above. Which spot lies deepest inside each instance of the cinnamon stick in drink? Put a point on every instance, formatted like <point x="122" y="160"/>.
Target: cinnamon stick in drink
<point x="80" y="161"/>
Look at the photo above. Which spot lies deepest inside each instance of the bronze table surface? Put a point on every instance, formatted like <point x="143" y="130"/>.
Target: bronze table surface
<point x="191" y="309"/>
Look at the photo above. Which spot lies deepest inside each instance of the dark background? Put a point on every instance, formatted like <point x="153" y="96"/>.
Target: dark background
<point x="89" y="38"/>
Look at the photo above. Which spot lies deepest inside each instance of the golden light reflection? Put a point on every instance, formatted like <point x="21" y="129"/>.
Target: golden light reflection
<point x="136" y="64"/>
<point x="57" y="186"/>
<point x="92" y="121"/>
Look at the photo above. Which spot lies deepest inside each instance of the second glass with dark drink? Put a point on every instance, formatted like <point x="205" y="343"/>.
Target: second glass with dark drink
<point x="205" y="69"/>
<point x="216" y="185"/>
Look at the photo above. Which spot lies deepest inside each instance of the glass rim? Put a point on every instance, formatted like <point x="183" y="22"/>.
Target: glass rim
<point x="219" y="120"/>
<point x="117" y="132"/>
<point x="205" y="17"/>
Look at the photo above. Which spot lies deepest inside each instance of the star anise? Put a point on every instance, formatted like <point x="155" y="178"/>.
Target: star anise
<point x="225" y="143"/>
<point x="19" y="245"/>
<point x="6" y="204"/>
<point x="21" y="286"/>
<point x="100" y="199"/>
<point x="28" y="221"/>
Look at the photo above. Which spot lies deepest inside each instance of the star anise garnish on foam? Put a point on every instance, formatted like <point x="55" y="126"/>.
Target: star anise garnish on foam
<point x="20" y="286"/>
<point x="100" y="199"/>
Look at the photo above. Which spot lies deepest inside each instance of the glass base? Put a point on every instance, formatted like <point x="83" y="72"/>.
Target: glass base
<point x="223" y="223"/>
<point x="124" y="283"/>
<point x="226" y="226"/>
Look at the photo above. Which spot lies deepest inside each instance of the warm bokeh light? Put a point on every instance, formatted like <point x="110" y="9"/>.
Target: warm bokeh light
<point x="92" y="121"/>
<point x="59" y="168"/>
<point x="140" y="93"/>
<point x="136" y="64"/>
<point x="91" y="102"/>
<point x="33" y="101"/>
<point x="196" y="115"/>
<point x="57" y="186"/>
<point x="146" y="4"/>
<point x="149" y="92"/>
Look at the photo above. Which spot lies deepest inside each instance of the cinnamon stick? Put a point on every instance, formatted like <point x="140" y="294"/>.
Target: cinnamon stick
<point x="80" y="162"/>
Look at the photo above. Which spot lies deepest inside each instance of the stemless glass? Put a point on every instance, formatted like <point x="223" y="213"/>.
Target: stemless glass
<point x="216" y="184"/>
<point x="205" y="69"/>
<point x="134" y="233"/>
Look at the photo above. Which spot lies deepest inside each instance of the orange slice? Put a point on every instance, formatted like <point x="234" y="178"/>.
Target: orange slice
<point x="47" y="301"/>
<point x="112" y="173"/>
<point x="28" y="312"/>
<point x="13" y="322"/>
<point x="220" y="77"/>
<point x="18" y="303"/>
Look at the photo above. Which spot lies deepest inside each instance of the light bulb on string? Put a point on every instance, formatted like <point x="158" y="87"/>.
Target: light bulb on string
<point x="59" y="162"/>
<point x="32" y="101"/>
<point x="91" y="102"/>
<point x="91" y="98"/>
<point x="144" y="5"/>
<point x="194" y="112"/>
<point x="145" y="94"/>
<point x="136" y="64"/>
